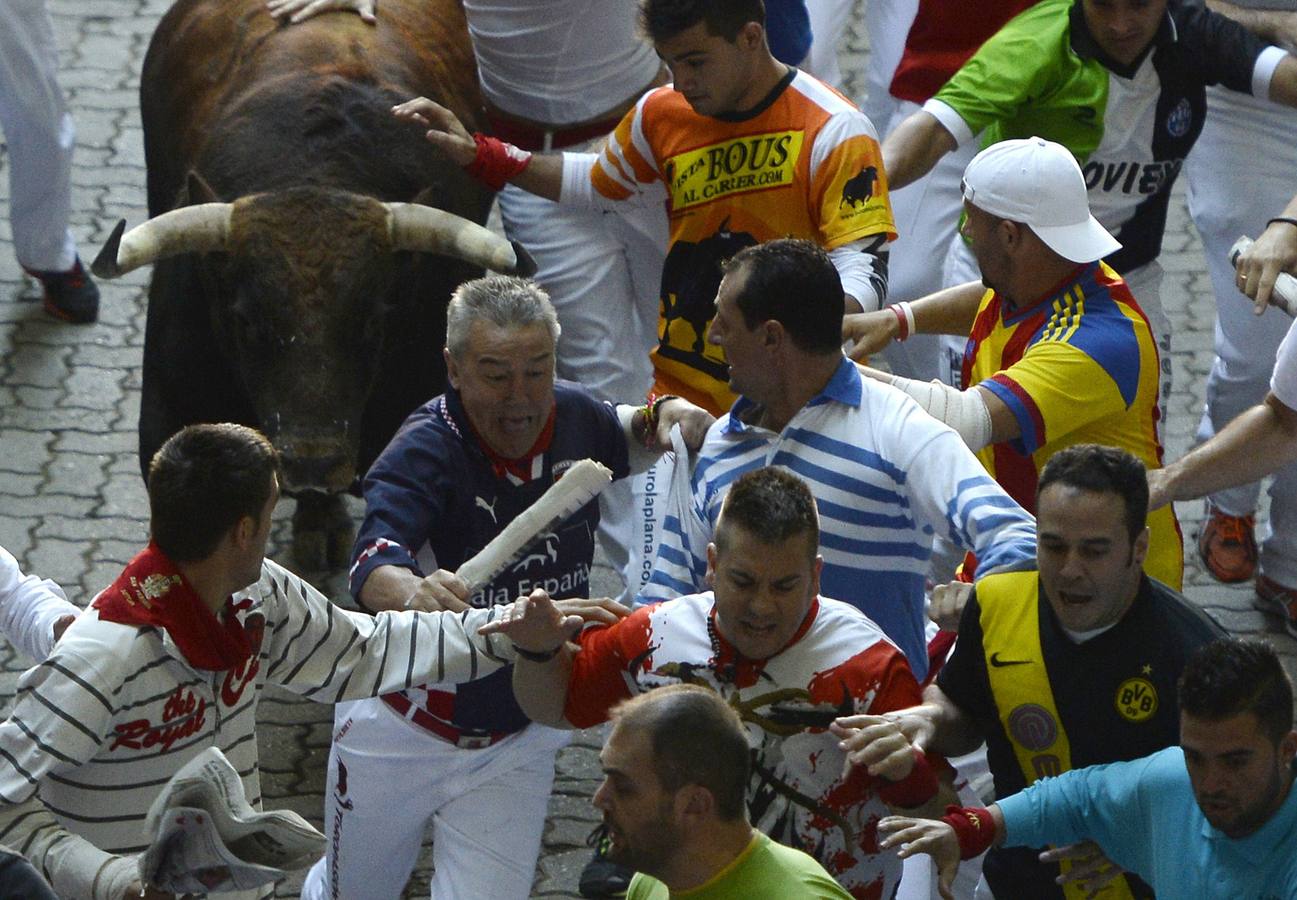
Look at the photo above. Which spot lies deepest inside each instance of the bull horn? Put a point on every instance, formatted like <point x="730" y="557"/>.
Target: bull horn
<point x="191" y="229"/>
<point x="422" y="229"/>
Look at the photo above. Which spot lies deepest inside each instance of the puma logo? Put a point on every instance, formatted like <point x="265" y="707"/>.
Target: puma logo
<point x="489" y="507"/>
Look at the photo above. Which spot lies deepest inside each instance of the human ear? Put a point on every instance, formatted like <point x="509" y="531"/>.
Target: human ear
<point x="1288" y="747"/>
<point x="452" y="371"/>
<point x="694" y="802"/>
<point x="751" y="35"/>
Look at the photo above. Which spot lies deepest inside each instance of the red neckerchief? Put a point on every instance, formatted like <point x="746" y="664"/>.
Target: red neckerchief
<point x="524" y="468"/>
<point x="152" y="592"/>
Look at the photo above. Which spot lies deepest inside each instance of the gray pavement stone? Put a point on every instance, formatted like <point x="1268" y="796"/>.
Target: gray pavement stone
<point x="72" y="505"/>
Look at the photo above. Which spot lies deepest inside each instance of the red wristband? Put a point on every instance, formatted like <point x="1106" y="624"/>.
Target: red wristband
<point x="974" y="828"/>
<point x="903" y="326"/>
<point x="914" y="789"/>
<point x="496" y="162"/>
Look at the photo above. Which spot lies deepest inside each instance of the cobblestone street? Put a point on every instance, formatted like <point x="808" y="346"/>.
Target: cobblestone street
<point x="72" y="503"/>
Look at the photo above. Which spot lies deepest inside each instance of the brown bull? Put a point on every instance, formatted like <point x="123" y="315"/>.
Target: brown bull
<point x="305" y="242"/>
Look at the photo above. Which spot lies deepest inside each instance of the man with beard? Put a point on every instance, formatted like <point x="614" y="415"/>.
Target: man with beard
<point x="1215" y="817"/>
<point x="676" y="767"/>
<point x="1059" y="351"/>
<point x="785" y="657"/>
<point x="1014" y="679"/>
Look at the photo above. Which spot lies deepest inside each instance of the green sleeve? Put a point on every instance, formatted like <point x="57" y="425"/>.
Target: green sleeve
<point x="1027" y="80"/>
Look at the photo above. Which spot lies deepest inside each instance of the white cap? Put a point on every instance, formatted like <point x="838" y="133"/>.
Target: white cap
<point x="1037" y="182"/>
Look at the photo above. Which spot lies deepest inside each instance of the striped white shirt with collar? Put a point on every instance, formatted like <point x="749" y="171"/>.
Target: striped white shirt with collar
<point x="887" y="478"/>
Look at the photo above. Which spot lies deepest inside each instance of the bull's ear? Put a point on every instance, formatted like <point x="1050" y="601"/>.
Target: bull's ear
<point x="197" y="190"/>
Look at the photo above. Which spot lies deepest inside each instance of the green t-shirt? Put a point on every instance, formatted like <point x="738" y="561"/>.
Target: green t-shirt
<point x="1129" y="127"/>
<point x="1028" y="80"/>
<point x="764" y="871"/>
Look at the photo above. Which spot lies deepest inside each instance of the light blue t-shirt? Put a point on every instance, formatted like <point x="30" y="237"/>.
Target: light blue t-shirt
<point x="1144" y="816"/>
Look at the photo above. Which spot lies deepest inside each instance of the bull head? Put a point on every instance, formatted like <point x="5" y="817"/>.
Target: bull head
<point x="293" y="309"/>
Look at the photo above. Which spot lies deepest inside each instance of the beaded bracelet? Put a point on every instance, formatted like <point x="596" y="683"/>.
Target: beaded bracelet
<point x="650" y="410"/>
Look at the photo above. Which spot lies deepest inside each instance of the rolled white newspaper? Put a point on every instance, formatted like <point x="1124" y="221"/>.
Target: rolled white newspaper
<point x="1284" y="294"/>
<point x="577" y="487"/>
<point x="207" y="838"/>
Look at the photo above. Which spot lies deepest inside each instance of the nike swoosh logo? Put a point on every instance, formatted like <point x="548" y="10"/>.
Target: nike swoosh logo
<point x="1001" y="663"/>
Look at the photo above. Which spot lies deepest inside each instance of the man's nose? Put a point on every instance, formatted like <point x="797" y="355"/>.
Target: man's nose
<point x="762" y="603"/>
<point x="1071" y="567"/>
<point x="600" y="798"/>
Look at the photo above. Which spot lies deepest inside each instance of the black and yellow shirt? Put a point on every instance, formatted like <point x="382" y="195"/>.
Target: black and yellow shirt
<point x="1046" y="704"/>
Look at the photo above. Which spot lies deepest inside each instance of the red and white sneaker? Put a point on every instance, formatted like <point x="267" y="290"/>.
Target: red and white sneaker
<point x="1275" y="597"/>
<point x="1227" y="546"/>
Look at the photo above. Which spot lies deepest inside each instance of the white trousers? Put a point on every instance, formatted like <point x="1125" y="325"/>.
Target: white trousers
<point x="919" y="879"/>
<point x="829" y="22"/>
<point x="887" y="22"/>
<point x="1240" y="173"/>
<point x="602" y="271"/>
<point x="388" y="778"/>
<point x="39" y="134"/>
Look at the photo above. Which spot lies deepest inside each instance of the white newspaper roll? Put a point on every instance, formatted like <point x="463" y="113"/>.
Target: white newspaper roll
<point x="578" y="486"/>
<point x="1284" y="294"/>
<point x="206" y="837"/>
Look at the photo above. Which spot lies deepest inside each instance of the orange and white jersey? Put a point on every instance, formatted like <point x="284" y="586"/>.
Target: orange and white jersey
<point x="804" y="163"/>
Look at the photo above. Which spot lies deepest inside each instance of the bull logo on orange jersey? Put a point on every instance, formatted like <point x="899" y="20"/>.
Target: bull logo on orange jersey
<point x="859" y="189"/>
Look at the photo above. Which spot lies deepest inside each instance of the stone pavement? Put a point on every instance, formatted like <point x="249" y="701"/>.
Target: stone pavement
<point x="72" y="505"/>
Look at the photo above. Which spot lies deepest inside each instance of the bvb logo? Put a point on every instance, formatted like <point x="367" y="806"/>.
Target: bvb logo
<point x="1136" y="699"/>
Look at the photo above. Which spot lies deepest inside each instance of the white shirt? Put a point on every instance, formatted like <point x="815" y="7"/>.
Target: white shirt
<point x="562" y="61"/>
<point x="29" y="607"/>
<point x="1283" y="383"/>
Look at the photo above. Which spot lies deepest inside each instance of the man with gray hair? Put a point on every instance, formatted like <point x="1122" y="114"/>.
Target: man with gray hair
<point x="457" y="472"/>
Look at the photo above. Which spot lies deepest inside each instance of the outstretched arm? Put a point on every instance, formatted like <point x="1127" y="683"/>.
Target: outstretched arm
<point x="960" y="834"/>
<point x="1258" y="442"/>
<point x="949" y="311"/>
<point x="542" y="174"/>
<point x="936" y="726"/>
<point x="1274" y="25"/>
<point x="914" y="147"/>
<point x="539" y="630"/>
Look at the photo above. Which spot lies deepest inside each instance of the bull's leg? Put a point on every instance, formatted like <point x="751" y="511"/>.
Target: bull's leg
<point x="322" y="532"/>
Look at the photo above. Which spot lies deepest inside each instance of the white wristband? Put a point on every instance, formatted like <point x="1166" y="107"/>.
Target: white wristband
<point x="907" y="310"/>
